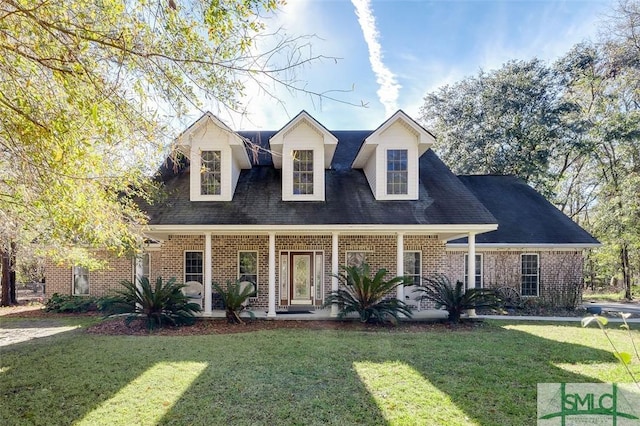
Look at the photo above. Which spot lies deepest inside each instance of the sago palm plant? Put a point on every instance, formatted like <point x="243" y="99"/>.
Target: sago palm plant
<point x="454" y="299"/>
<point x="368" y="296"/>
<point x="159" y="305"/>
<point x="234" y="298"/>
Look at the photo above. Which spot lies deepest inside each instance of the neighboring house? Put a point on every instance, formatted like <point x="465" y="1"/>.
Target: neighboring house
<point x="285" y="209"/>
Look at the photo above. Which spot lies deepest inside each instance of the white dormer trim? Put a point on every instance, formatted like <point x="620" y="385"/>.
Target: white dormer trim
<point x="399" y="132"/>
<point x="209" y="133"/>
<point x="329" y="141"/>
<point x="303" y="133"/>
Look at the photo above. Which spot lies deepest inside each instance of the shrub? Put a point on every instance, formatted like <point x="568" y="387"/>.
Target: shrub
<point x="234" y="300"/>
<point x="456" y="300"/>
<point x="67" y="303"/>
<point x="159" y="305"/>
<point x="368" y="297"/>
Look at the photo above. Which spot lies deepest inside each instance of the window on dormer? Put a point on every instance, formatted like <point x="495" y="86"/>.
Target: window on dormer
<point x="303" y="171"/>
<point x="397" y="175"/>
<point x="210" y="173"/>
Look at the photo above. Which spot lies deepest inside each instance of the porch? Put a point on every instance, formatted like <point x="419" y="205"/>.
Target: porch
<point x="319" y="315"/>
<point x="296" y="267"/>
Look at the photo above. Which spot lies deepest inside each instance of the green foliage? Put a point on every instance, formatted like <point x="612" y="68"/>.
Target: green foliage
<point x="88" y="91"/>
<point x="624" y="357"/>
<point x="159" y="305"/>
<point x="455" y="300"/>
<point x="369" y="297"/>
<point x="505" y="121"/>
<point x="234" y="298"/>
<point x="66" y="303"/>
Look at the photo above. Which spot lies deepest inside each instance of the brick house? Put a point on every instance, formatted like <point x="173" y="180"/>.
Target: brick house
<point x="284" y="209"/>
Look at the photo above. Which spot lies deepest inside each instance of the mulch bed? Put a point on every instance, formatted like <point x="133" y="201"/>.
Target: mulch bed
<point x="117" y="326"/>
<point x="221" y="326"/>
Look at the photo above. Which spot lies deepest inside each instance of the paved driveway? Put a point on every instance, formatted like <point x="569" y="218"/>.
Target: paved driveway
<point x="632" y="308"/>
<point x="17" y="331"/>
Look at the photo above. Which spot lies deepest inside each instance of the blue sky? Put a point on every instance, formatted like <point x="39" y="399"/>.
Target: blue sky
<point x="422" y="45"/>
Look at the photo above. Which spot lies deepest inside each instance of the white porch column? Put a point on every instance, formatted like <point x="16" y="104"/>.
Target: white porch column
<point x="400" y="264"/>
<point x="471" y="268"/>
<point x="272" y="276"/>
<point x="207" y="273"/>
<point x="334" y="270"/>
<point x="471" y="261"/>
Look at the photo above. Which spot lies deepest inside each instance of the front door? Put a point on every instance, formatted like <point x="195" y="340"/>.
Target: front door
<point x="301" y="291"/>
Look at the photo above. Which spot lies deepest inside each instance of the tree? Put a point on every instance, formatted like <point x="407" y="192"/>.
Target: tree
<point x="507" y="121"/>
<point x="602" y="80"/>
<point x="571" y="130"/>
<point x="87" y="90"/>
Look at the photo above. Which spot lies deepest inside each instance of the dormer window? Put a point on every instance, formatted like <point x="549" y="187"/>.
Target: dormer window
<point x="303" y="150"/>
<point x="303" y="171"/>
<point x="389" y="158"/>
<point x="397" y="171"/>
<point x="211" y="173"/>
<point x="217" y="155"/>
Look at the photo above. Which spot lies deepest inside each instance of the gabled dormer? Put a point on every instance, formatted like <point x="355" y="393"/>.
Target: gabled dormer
<point x="303" y="149"/>
<point x="216" y="155"/>
<point x="390" y="156"/>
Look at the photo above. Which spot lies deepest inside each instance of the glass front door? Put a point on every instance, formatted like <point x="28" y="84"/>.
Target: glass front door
<point x="301" y="278"/>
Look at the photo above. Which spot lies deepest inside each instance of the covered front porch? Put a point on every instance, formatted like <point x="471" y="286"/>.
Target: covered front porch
<point x="319" y="314"/>
<point x="297" y="266"/>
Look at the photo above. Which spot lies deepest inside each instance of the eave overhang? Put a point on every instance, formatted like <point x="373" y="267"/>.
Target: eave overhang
<point x="329" y="141"/>
<point x="235" y="141"/>
<point x="424" y="138"/>
<point x="444" y="232"/>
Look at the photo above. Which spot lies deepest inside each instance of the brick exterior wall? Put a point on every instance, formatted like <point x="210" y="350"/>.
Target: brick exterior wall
<point x="168" y="261"/>
<point x="59" y="277"/>
<point x="560" y="271"/>
<point x="560" y="279"/>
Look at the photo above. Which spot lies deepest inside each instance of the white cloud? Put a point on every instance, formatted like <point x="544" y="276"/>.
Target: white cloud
<point x="388" y="86"/>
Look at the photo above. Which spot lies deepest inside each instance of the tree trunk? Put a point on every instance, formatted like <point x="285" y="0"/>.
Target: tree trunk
<point x="12" y="274"/>
<point x="592" y="274"/>
<point x="626" y="276"/>
<point x="5" y="265"/>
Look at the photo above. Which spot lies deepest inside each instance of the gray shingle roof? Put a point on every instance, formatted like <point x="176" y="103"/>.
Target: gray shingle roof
<point x="348" y="198"/>
<point x="524" y="216"/>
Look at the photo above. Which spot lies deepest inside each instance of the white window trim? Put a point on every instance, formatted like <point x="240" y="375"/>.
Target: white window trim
<point x="219" y="151"/>
<point x="318" y="175"/>
<point x="419" y="266"/>
<point x="73" y="284"/>
<point x="283" y="281"/>
<point x="184" y="264"/>
<point x="386" y="172"/>
<point x="196" y="175"/>
<point x="257" y="267"/>
<point x="313" y="172"/>
<point x="135" y="266"/>
<point x="346" y="255"/>
<point x="466" y="266"/>
<point x="537" y="255"/>
<point x="412" y="175"/>
<point x="318" y="281"/>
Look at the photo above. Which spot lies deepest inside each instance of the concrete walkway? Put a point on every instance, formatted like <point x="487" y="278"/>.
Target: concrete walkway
<point x="424" y="315"/>
<point x="629" y="307"/>
<point x="18" y="331"/>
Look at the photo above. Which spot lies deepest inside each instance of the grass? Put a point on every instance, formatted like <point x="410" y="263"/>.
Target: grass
<point x="485" y="376"/>
<point x="610" y="296"/>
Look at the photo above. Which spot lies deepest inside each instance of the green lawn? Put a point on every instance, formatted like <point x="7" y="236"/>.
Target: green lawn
<point x="610" y="296"/>
<point x="486" y="376"/>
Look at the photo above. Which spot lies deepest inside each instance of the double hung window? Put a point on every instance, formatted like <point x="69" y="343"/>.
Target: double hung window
<point x="210" y="173"/>
<point x="397" y="171"/>
<point x="302" y="172"/>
